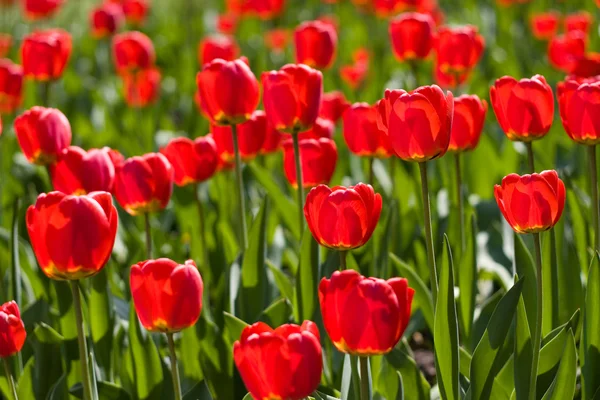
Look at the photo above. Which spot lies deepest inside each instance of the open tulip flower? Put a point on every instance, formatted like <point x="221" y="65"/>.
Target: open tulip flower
<point x="318" y="158"/>
<point x="11" y="86"/>
<point x="80" y="172"/>
<point x="193" y="161"/>
<point x="45" y="54"/>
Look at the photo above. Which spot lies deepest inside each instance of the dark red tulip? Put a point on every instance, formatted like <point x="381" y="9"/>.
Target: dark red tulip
<point x="251" y="136"/>
<point x="217" y="46"/>
<point x="135" y="11"/>
<point x="12" y="330"/>
<point x="316" y="44"/>
<point x="72" y="236"/>
<point x="292" y="97"/>
<point x="45" y="54"/>
<point x="5" y="44"/>
<point x="458" y="49"/>
<point x="43" y="133"/>
<point x="317" y="157"/>
<point x="362" y="134"/>
<point x="132" y="51"/>
<point x="277" y="39"/>
<point x="467" y="122"/>
<point x="364" y="316"/>
<point x="579" y="105"/>
<point x="273" y="140"/>
<point x="418" y="122"/>
<point x="141" y="87"/>
<point x="323" y="128"/>
<point x="80" y="172"/>
<point x="333" y="105"/>
<point x="193" y="160"/>
<point x="144" y="184"/>
<point x="11" y="86"/>
<point x="412" y="36"/>
<point x="565" y="50"/>
<point x="283" y="363"/>
<point x="531" y="203"/>
<point x="544" y="25"/>
<point x="579" y="21"/>
<point x="167" y="296"/>
<point x="228" y="91"/>
<point x="106" y="20"/>
<point x="525" y="108"/>
<point x="40" y="9"/>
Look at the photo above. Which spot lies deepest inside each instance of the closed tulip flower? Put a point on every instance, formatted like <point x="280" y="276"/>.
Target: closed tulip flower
<point x="525" y="108"/>
<point x="11" y="86"/>
<point x="132" y="51"/>
<point x="579" y="104"/>
<point x="292" y="97"/>
<point x="144" y="184"/>
<point x="72" y="236"/>
<point x="40" y="9"/>
<point x="544" y="25"/>
<point x="135" y="11"/>
<point x="565" y="50"/>
<point x="5" y="44"/>
<point x="141" y="87"/>
<point x="193" y="161"/>
<point x="333" y="105"/>
<point x="12" y="330"/>
<point x="228" y="91"/>
<point x="45" y="54"/>
<point x="251" y="136"/>
<point x="364" y="316"/>
<point x="43" y="133"/>
<point x="283" y="363"/>
<point x="458" y="49"/>
<point x="531" y="203"/>
<point x="316" y="44"/>
<point x="217" y="46"/>
<point x="412" y="36"/>
<point x="79" y="172"/>
<point x="317" y="157"/>
<point x="362" y="134"/>
<point x="106" y="19"/>
<point x="467" y="123"/>
<point x="323" y="128"/>
<point x="167" y="296"/>
<point x="579" y="21"/>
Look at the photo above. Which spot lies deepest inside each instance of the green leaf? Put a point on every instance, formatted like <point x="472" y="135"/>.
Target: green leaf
<point x="446" y="331"/>
<point x="553" y="344"/>
<point x="414" y="383"/>
<point x="282" y="281"/>
<point x="58" y="390"/>
<point x="278" y="313"/>
<point x="388" y="382"/>
<point x="27" y="382"/>
<point x="198" y="392"/>
<point x="106" y="391"/>
<point x="101" y="320"/>
<point x="307" y="280"/>
<point x="465" y="362"/>
<point x="467" y="283"/>
<point x="590" y="363"/>
<point x="523" y="353"/>
<point x="525" y="269"/>
<point x="550" y="282"/>
<point x="234" y="325"/>
<point x="216" y="359"/>
<point x="563" y="386"/>
<point x="46" y="334"/>
<point x="350" y="378"/>
<point x="68" y="329"/>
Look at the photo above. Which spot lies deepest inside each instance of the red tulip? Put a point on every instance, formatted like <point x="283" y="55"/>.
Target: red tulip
<point x="227" y="23"/>
<point x="228" y="91"/>
<point x="458" y="50"/>
<point x="273" y="140"/>
<point x="5" y="44"/>
<point x="135" y="11"/>
<point x="144" y="184"/>
<point x="544" y="25"/>
<point x="467" y="122"/>
<point x="323" y="128"/>
<point x="264" y="9"/>
<point x="531" y="203"/>
<point x="578" y="105"/>
<point x="565" y="50"/>
<point x="12" y="330"/>
<point x="141" y="87"/>
<point x="315" y="43"/>
<point x="132" y="51"/>
<point x="579" y="21"/>
<point x="449" y="80"/>
<point x="251" y="136"/>
<point x="277" y="39"/>
<point x="43" y="133"/>
<point x="587" y="66"/>
<point x="317" y="157"/>
<point x="385" y="8"/>
<point x="40" y="9"/>
<point x="525" y="108"/>
<point x="362" y="134"/>
<point x="353" y="75"/>
<point x="11" y="86"/>
<point x="106" y="20"/>
<point x="418" y="122"/>
<point x="217" y="46"/>
<point x="364" y="316"/>
<point x="167" y="296"/>
<point x="72" y="236"/>
<point x="45" y="54"/>
<point x="333" y="105"/>
<point x="80" y="172"/>
<point x="292" y="97"/>
<point x="193" y="160"/>
<point x="412" y="36"/>
<point x="283" y="363"/>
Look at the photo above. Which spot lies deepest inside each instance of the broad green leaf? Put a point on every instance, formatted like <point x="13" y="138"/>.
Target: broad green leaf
<point x="101" y="322"/>
<point x="277" y="314"/>
<point x="525" y="269"/>
<point x="198" y="392"/>
<point x="550" y="281"/>
<point x="190" y="358"/>
<point x="216" y="359"/>
<point x="564" y="384"/>
<point x="58" y="390"/>
<point x="234" y="325"/>
<point x="590" y="363"/>
<point x="283" y="282"/>
<point x="553" y="344"/>
<point x="350" y="379"/>
<point x="47" y="335"/>
<point x="307" y="281"/>
<point x="388" y="382"/>
<point x="26" y="383"/>
<point x="414" y="383"/>
<point x="106" y="391"/>
<point x="68" y="329"/>
<point x="523" y="353"/>
<point x="467" y="283"/>
<point x="465" y="362"/>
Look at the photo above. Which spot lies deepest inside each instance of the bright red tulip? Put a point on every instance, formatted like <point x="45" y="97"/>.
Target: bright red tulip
<point x="362" y="134"/>
<point x="467" y="122"/>
<point x="251" y="136"/>
<point x="544" y="25"/>
<point x="217" y="46"/>
<point x="167" y="296"/>
<point x="323" y="128"/>
<point x="144" y="184"/>
<point x="43" y="133"/>
<point x="135" y="11"/>
<point x="418" y="122"/>
<point x="72" y="236"/>
<point x="5" y="44"/>
<point x="12" y="330"/>
<point x="40" y="9"/>
<point x="193" y="160"/>
<point x="458" y="49"/>
<point x="132" y="51"/>
<point x="587" y="66"/>
<point x="283" y="363"/>
<point x="316" y="44"/>
<point x="364" y="316"/>
<point x="228" y="91"/>
<point x="354" y="75"/>
<point x="106" y="19"/>
<point x="227" y="23"/>
<point x="11" y="86"/>
<point x="141" y="87"/>
<point x="565" y="50"/>
<point x="449" y="80"/>
<point x="277" y="39"/>
<point x="412" y="36"/>
<point x="45" y="54"/>
<point x="525" y="108"/>
<point x="292" y="97"/>
<point x="333" y="105"/>
<point x="579" y="105"/>
<point x="79" y="172"/>
<point x="273" y="140"/>
<point x="264" y="9"/>
<point x="531" y="203"/>
<point x="317" y="157"/>
<point x="579" y="21"/>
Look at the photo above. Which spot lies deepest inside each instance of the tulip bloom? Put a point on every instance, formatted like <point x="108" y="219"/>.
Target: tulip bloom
<point x="364" y="316"/>
<point x="362" y="134"/>
<point x="579" y="21"/>
<point x="565" y="50"/>
<point x="227" y="23"/>
<point x="467" y="122"/>
<point x="412" y="36"/>
<point x="132" y="51"/>
<point x="587" y="66"/>
<point x="525" y="108"/>
<point x="354" y="75"/>
<point x="418" y="123"/>
<point x="106" y="20"/>
<point x="40" y="9"/>
<point x="251" y="136"/>
<point x="264" y="9"/>
<point x="531" y="203"/>
<point x="5" y="44"/>
<point x="72" y="236"/>
<point x="141" y="87"/>
<point x="277" y="39"/>
<point x="80" y="172"/>
<point x="316" y="44"/>
<point x="578" y="105"/>
<point x="283" y="363"/>
<point x="292" y="97"/>
<point x="144" y="184"/>
<point x="45" y="54"/>
<point x="273" y="140"/>
<point x="43" y="133"/>
<point x="458" y="49"/>
<point x="323" y="128"/>
<point x="12" y="330"/>
<point x="11" y="86"/>
<point x="544" y="25"/>
<point x="193" y="161"/>
<point x="228" y="91"/>
<point x="317" y="157"/>
<point x="217" y="46"/>
<point x="167" y="296"/>
<point x="135" y="11"/>
<point x="333" y="106"/>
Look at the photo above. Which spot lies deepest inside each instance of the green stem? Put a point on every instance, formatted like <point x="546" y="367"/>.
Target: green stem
<point x="9" y="378"/>
<point x="537" y="335"/>
<point x="364" y="378"/>
<point x="148" y="236"/>
<point x="83" y="354"/>
<point x="240" y="186"/>
<point x="428" y="231"/>
<point x="45" y="93"/>
<point x="530" y="162"/>
<point x="15" y="273"/>
<point x="594" y="190"/>
<point x="174" y="368"/>
<point x="414" y="71"/>
<point x="371" y="172"/>
<point x="460" y="202"/>
<point x="202" y="223"/>
<point x="299" y="182"/>
<point x="343" y="254"/>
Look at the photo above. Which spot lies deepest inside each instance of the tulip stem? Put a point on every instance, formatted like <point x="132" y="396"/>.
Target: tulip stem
<point x="9" y="378"/>
<point x="364" y="378"/>
<point x="202" y="225"/>
<point x="174" y="368"/>
<point x="45" y="93"/>
<point x="371" y="172"/>
<point x="299" y="181"/>
<point x="148" y="236"/>
<point x="83" y="354"/>
<point x="240" y="186"/>
<point x="537" y="335"/>
<point x="594" y="184"/>
<point x="343" y="254"/>
<point x="529" y="147"/>
<point x="460" y="202"/>
<point x="428" y="231"/>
